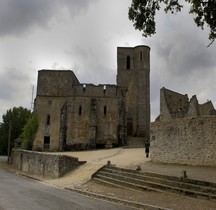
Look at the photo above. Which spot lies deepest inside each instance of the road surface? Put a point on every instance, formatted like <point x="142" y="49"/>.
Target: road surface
<point x="21" y="193"/>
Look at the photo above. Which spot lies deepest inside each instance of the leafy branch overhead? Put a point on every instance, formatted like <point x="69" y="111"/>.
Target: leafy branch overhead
<point x="142" y="14"/>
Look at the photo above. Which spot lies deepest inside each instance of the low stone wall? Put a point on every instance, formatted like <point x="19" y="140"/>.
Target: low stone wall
<point x="189" y="141"/>
<point x="43" y="164"/>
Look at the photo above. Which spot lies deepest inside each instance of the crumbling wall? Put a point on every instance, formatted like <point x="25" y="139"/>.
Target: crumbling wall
<point x="43" y="164"/>
<point x="184" y="141"/>
<point x="174" y="105"/>
<point x="206" y="108"/>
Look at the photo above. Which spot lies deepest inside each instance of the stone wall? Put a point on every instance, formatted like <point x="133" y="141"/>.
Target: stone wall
<point x="189" y="141"/>
<point x="56" y="82"/>
<point x="174" y="105"/>
<point x="44" y="107"/>
<point x="43" y="164"/>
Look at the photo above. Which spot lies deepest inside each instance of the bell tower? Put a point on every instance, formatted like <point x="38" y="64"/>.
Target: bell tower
<point x="133" y="73"/>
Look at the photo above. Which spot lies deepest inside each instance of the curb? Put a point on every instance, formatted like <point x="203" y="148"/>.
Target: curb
<point x="116" y="200"/>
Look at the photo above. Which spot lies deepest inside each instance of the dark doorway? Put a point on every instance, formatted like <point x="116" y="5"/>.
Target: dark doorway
<point x="46" y="142"/>
<point x="130" y="127"/>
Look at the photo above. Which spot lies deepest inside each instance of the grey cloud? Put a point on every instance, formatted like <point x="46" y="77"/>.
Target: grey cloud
<point x="74" y="6"/>
<point x="19" y="16"/>
<point x="187" y="58"/>
<point x="97" y="74"/>
<point x="11" y="85"/>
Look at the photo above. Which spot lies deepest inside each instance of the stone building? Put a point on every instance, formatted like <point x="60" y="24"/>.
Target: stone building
<point x="185" y="131"/>
<point x="87" y="116"/>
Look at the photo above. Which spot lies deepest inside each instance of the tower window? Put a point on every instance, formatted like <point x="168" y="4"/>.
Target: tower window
<point x="104" y="89"/>
<point x="105" y="110"/>
<point x="141" y="55"/>
<point x="128" y="62"/>
<point x="84" y="88"/>
<point x="48" y="120"/>
<point x="80" y="110"/>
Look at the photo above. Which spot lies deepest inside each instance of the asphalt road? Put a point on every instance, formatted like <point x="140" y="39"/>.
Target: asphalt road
<point x="21" y="193"/>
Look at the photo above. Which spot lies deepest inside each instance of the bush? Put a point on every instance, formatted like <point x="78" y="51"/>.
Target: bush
<point x="29" y="132"/>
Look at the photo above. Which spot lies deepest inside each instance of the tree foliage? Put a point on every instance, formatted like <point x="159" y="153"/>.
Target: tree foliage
<point x="142" y="14"/>
<point x="29" y="132"/>
<point x="18" y="116"/>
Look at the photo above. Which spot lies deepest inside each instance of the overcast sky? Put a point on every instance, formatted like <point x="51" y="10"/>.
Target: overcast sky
<point x="83" y="35"/>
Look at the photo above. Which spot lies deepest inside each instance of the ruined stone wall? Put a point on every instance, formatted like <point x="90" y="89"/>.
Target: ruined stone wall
<point x="102" y="90"/>
<point x="206" y="108"/>
<point x="184" y="141"/>
<point x="172" y="104"/>
<point x="43" y="164"/>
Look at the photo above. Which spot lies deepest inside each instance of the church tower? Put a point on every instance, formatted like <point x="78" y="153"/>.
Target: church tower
<point x="133" y="73"/>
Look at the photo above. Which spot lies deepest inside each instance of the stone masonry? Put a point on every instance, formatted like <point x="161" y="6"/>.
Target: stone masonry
<point x="43" y="164"/>
<point x="75" y="116"/>
<point x="185" y="131"/>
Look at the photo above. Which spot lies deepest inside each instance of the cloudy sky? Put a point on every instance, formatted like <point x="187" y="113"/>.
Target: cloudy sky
<point x="83" y="35"/>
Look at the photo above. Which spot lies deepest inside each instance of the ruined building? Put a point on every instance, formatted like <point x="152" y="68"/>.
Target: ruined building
<point x="174" y="105"/>
<point x="184" y="132"/>
<point x="86" y="116"/>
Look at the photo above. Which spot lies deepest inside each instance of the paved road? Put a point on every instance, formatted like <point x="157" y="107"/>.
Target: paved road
<point x="21" y="193"/>
<point x="3" y="158"/>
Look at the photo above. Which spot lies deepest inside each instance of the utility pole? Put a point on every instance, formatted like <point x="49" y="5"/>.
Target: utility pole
<point x="9" y="139"/>
<point x="32" y="98"/>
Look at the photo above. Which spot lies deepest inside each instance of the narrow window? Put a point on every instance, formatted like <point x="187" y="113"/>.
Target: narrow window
<point x="141" y="55"/>
<point x="128" y="62"/>
<point x="80" y="110"/>
<point x="105" y="111"/>
<point x="48" y="119"/>
<point x="104" y="89"/>
<point x="84" y="88"/>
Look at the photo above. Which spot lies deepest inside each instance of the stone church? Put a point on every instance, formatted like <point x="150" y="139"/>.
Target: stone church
<point x="75" y="116"/>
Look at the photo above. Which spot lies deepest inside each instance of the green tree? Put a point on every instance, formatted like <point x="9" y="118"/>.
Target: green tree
<point x="18" y="116"/>
<point x="142" y="14"/>
<point x="29" y="132"/>
<point x="3" y="139"/>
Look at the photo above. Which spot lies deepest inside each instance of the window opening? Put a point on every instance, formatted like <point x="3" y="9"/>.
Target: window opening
<point x="104" y="89"/>
<point x="141" y="55"/>
<point x="84" y="88"/>
<point x="80" y="110"/>
<point x="48" y="119"/>
<point x="105" y="110"/>
<point x="128" y="62"/>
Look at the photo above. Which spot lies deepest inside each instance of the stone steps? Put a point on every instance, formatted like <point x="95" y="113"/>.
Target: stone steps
<point x="155" y="182"/>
